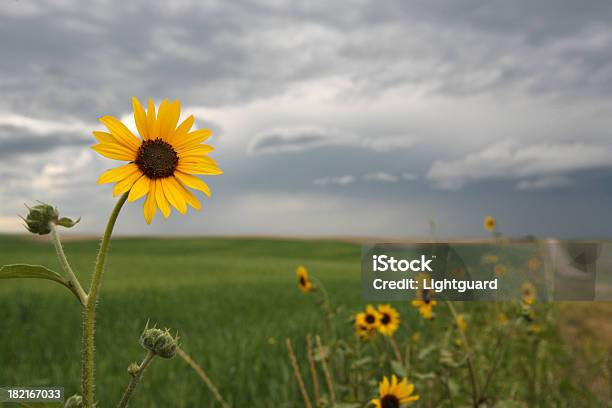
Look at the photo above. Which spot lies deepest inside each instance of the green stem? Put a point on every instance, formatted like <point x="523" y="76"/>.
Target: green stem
<point x="73" y="281"/>
<point x="89" y="316"/>
<point x="136" y="377"/>
<point x="468" y="354"/>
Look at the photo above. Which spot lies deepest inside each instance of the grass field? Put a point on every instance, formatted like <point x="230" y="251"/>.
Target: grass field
<point x="233" y="302"/>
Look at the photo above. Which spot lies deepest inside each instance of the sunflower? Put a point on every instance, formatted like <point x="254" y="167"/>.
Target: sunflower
<point x="500" y="270"/>
<point x="161" y="163"/>
<point x="461" y="322"/>
<point x="490" y="223"/>
<point x="528" y="293"/>
<point x="425" y="302"/>
<point x="361" y="330"/>
<point x="370" y="318"/>
<point x="394" y="394"/>
<point x="303" y="280"/>
<point x="389" y="320"/>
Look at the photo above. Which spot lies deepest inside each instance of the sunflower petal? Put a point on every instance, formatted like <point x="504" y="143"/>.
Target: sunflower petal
<point x="174" y="195"/>
<point x="162" y="201"/>
<point x="152" y="123"/>
<point x="193" y="138"/>
<point x="140" y="188"/>
<point x="193" y="182"/>
<point x="199" y="150"/>
<point x="199" y="169"/>
<point x="115" y="151"/>
<point x="121" y="132"/>
<point x="117" y="174"/>
<point x="163" y="119"/>
<point x="127" y="183"/>
<point x="150" y="205"/>
<point x="174" y="113"/>
<point x="104" y="137"/>
<point x="182" y="130"/>
<point x="189" y="197"/>
<point x="140" y="117"/>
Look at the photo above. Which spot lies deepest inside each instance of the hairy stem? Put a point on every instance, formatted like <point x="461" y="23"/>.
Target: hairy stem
<point x="136" y="377"/>
<point x="73" y="281"/>
<point x="89" y="315"/>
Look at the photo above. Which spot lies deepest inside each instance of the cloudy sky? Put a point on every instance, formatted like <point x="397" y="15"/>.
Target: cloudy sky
<point x="364" y="118"/>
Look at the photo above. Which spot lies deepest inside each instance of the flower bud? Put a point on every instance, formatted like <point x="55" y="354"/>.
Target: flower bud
<point x="159" y="342"/>
<point x="40" y="217"/>
<point x="76" y="401"/>
<point x="133" y="369"/>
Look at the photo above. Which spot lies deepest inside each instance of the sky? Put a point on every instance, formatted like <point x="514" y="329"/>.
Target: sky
<point x="345" y="118"/>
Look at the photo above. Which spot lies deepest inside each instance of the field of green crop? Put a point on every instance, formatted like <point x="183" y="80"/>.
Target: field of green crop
<point x="233" y="303"/>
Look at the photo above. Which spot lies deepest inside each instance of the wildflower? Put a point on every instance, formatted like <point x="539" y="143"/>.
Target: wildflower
<point x="424" y="301"/>
<point x="389" y="320"/>
<point x="490" y="258"/>
<point x="370" y="319"/>
<point x="490" y="223"/>
<point x="303" y="281"/>
<point x="416" y="337"/>
<point x="502" y="319"/>
<point x="363" y="332"/>
<point x="393" y="394"/>
<point x="41" y="216"/>
<point x="528" y="293"/>
<point x="535" y="328"/>
<point x="461" y="322"/>
<point x="534" y="264"/>
<point x="500" y="270"/>
<point x="162" y="163"/>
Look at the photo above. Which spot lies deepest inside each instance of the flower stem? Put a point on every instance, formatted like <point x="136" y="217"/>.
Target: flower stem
<point x="89" y="316"/>
<point x="200" y="372"/>
<point x="73" y="281"/>
<point x="136" y="377"/>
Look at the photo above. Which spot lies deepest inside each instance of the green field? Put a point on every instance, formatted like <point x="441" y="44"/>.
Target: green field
<point x="233" y="302"/>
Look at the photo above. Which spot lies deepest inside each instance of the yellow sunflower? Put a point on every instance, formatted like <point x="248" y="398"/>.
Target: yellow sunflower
<point x="528" y="293"/>
<point x="490" y="223"/>
<point x="370" y="318"/>
<point x="303" y="280"/>
<point x="361" y="330"/>
<point x="393" y="394"/>
<point x="425" y="302"/>
<point x="389" y="320"/>
<point x="161" y="163"/>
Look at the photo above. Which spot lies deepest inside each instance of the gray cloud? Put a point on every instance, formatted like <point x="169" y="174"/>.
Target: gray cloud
<point x="16" y="141"/>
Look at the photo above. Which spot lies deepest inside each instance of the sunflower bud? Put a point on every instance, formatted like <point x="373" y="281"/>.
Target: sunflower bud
<point x="76" y="401"/>
<point x="40" y="217"/>
<point x="133" y="369"/>
<point x="158" y="341"/>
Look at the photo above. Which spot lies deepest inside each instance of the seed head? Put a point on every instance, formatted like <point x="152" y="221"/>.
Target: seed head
<point x="40" y="217"/>
<point x="158" y="341"/>
<point x="76" y="401"/>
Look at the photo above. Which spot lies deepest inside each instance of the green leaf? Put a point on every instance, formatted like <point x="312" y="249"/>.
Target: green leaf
<point x="16" y="271"/>
<point x="67" y="222"/>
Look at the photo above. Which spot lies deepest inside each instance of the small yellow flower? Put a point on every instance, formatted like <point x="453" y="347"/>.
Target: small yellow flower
<point x="500" y="270"/>
<point x="161" y="163"/>
<point x="393" y="394"/>
<point x="416" y="337"/>
<point x="303" y="281"/>
<point x="490" y="259"/>
<point x="370" y="319"/>
<point x="534" y="264"/>
<point x="490" y="223"/>
<point x="362" y="331"/>
<point x="389" y="320"/>
<point x="424" y="300"/>
<point x="461" y="322"/>
<point x="502" y="319"/>
<point x="535" y="328"/>
<point x="528" y="293"/>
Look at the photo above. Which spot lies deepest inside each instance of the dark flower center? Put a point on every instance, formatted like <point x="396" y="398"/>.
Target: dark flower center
<point x="389" y="401"/>
<point x="370" y="319"/>
<point x="426" y="296"/>
<point x="302" y="281"/>
<point x="156" y="159"/>
<point x="385" y="319"/>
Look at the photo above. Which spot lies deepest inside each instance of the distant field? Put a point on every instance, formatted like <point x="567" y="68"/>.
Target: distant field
<point x="233" y="302"/>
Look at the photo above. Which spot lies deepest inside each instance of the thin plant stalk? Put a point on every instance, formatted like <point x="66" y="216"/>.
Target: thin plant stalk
<point x="313" y="371"/>
<point x="136" y="377"/>
<point x="396" y="350"/>
<point x="298" y="374"/>
<point x="328" y="378"/>
<point x="73" y="281"/>
<point x="89" y="315"/>
<point x="468" y="353"/>
<point x="202" y="374"/>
